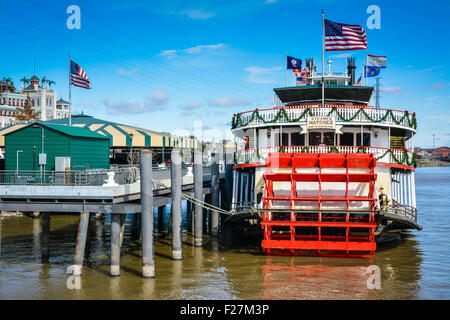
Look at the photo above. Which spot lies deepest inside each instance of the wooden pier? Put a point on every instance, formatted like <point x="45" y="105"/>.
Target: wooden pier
<point x="154" y="189"/>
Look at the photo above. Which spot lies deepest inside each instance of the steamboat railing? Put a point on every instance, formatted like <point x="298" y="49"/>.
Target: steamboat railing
<point x="383" y="155"/>
<point x="299" y="114"/>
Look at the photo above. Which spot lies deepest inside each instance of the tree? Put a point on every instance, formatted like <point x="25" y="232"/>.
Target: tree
<point x="44" y="80"/>
<point x="50" y="82"/>
<point x="26" y="113"/>
<point x="25" y="81"/>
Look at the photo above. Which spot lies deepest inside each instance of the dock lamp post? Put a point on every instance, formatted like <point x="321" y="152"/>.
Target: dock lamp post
<point x="131" y="150"/>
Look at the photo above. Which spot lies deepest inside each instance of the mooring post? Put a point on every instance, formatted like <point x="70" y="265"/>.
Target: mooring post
<point x="198" y="195"/>
<point x="122" y="228"/>
<point x="148" y="263"/>
<point x="81" y="243"/>
<point x="215" y="189"/>
<point x="115" y="244"/>
<point x="176" y="182"/>
<point x="45" y="236"/>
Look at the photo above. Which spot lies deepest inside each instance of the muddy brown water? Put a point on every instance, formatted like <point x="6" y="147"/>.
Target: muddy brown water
<point x="232" y="267"/>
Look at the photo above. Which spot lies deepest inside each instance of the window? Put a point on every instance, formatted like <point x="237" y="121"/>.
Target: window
<point x="366" y="139"/>
<point x="328" y="138"/>
<point x="297" y="139"/>
<point x="285" y="139"/>
<point x="315" y="138"/>
<point x="347" y="139"/>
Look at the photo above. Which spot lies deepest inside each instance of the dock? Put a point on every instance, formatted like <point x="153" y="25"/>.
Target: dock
<point x="131" y="190"/>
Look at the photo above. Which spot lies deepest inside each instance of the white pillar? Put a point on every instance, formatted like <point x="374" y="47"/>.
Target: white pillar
<point x="43" y="106"/>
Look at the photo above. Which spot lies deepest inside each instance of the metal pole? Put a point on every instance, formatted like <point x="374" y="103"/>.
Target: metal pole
<point x="198" y="195"/>
<point x="115" y="244"/>
<point x="176" y="182"/>
<point x="215" y="195"/>
<point x="148" y="263"/>
<point x="323" y="56"/>
<point x="81" y="243"/>
<point x="70" y="92"/>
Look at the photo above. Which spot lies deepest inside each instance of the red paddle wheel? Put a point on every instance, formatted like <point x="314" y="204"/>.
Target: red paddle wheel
<point x="320" y="204"/>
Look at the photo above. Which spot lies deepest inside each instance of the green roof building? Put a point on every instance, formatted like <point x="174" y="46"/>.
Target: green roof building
<point x="86" y="149"/>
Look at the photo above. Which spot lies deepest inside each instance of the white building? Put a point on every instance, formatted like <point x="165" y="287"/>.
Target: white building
<point x="42" y="100"/>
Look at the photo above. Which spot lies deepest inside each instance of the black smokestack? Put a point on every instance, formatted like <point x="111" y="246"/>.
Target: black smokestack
<point x="309" y="63"/>
<point x="351" y="66"/>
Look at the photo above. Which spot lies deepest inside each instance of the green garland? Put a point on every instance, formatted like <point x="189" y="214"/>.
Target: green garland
<point x="404" y="158"/>
<point x="282" y="116"/>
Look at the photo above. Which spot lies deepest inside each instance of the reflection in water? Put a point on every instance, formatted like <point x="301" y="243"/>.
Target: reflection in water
<point x="232" y="267"/>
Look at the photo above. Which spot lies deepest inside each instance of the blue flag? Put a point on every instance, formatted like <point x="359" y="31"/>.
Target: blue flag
<point x="371" y="71"/>
<point x="293" y="63"/>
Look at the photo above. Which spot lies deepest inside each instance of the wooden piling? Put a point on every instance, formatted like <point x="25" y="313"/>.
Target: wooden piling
<point x="176" y="182"/>
<point x="115" y="244"/>
<point x="148" y="263"/>
<point x="122" y="228"/>
<point x="81" y="243"/>
<point x="215" y="190"/>
<point x="198" y="195"/>
<point x="45" y="237"/>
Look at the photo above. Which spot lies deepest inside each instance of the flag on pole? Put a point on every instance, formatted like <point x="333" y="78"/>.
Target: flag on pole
<point x="376" y="61"/>
<point x="370" y="71"/>
<point x="359" y="81"/>
<point x="293" y="63"/>
<point x="339" y="36"/>
<point x="78" y="77"/>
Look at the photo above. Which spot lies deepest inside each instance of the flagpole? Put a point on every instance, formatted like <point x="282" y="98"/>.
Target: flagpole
<point x="286" y="72"/>
<point x="70" y="96"/>
<point x="367" y="63"/>
<point x="323" y="56"/>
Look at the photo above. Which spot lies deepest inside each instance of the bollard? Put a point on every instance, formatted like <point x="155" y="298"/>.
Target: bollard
<point x="148" y="262"/>
<point x="45" y="236"/>
<point x="81" y="243"/>
<point x="198" y="195"/>
<point x="215" y="190"/>
<point x="115" y="244"/>
<point x="176" y="182"/>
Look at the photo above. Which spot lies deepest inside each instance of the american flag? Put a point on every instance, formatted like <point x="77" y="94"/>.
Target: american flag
<point x="78" y="77"/>
<point x="339" y="36"/>
<point x="359" y="82"/>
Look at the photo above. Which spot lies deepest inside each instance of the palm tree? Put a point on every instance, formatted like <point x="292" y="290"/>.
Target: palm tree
<point x="50" y="82"/>
<point x="26" y="113"/>
<point x="8" y="81"/>
<point x="44" y="80"/>
<point x="25" y="81"/>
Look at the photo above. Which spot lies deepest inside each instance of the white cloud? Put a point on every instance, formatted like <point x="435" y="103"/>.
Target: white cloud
<point x="393" y="90"/>
<point x="227" y="102"/>
<point x="438" y="85"/>
<point x="341" y="55"/>
<point x="192" y="50"/>
<point x="124" y="72"/>
<point x="262" y="75"/>
<point x="157" y="100"/>
<point x="198" y="14"/>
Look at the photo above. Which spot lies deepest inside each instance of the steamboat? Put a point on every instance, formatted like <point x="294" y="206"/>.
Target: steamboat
<point x="323" y="172"/>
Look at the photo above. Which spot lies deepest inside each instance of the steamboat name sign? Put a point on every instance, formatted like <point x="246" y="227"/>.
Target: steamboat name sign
<point x="321" y="123"/>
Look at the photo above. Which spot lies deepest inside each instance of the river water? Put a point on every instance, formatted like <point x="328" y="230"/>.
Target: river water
<point x="415" y="267"/>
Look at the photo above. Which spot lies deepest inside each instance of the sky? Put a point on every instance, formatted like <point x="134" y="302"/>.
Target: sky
<point x="163" y="65"/>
